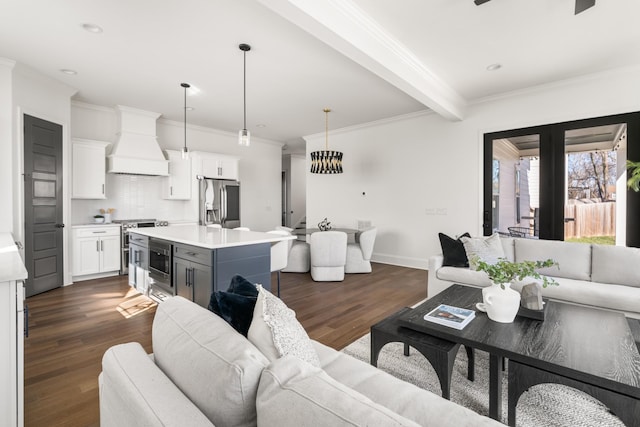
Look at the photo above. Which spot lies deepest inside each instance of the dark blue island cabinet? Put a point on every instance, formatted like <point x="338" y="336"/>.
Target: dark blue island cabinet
<point x="197" y="271"/>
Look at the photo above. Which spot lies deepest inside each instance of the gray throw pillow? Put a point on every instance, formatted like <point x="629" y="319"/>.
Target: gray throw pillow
<point x="487" y="249"/>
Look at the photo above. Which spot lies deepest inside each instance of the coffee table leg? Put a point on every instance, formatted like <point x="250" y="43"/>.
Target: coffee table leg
<point x="495" y="386"/>
<point x="471" y="363"/>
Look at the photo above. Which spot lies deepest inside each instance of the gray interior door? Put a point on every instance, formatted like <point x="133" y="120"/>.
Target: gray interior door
<point x="43" y="204"/>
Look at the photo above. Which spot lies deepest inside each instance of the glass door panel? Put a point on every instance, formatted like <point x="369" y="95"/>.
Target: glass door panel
<point x="516" y="185"/>
<point x="595" y="189"/>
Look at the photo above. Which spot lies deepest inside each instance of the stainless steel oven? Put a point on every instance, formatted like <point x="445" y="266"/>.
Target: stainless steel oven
<point x="160" y="265"/>
<point x="125" y="226"/>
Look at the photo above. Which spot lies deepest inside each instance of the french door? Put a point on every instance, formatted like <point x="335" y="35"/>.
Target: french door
<point x="564" y="180"/>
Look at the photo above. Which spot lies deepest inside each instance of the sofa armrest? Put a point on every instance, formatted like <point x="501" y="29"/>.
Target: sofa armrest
<point x="435" y="285"/>
<point x="134" y="391"/>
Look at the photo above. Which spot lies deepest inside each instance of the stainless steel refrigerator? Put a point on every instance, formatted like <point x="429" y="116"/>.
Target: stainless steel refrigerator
<point x="219" y="202"/>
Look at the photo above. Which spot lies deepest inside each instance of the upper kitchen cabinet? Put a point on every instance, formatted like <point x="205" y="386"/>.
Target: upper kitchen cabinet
<point x="177" y="186"/>
<point x="88" y="169"/>
<point x="212" y="165"/>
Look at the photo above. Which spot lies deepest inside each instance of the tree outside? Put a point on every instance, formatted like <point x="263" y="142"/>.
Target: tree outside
<point x="592" y="175"/>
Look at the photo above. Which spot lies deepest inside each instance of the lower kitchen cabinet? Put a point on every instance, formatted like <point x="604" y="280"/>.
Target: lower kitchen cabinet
<point x="193" y="281"/>
<point x="193" y="273"/>
<point x="96" y="250"/>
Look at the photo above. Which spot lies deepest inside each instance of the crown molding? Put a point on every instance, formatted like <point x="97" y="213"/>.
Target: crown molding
<point x="545" y="87"/>
<point x="375" y="123"/>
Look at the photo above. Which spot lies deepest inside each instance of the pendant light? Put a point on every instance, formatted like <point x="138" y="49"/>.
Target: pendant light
<point x="185" y="150"/>
<point x="325" y="161"/>
<point x="244" y="136"/>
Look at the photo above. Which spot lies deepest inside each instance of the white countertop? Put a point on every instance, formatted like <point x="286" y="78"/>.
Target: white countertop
<point x="96" y="224"/>
<point x="210" y="238"/>
<point x="11" y="265"/>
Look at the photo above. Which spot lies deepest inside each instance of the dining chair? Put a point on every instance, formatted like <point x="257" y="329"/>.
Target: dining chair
<point x="328" y="256"/>
<point x="359" y="253"/>
<point x="279" y="254"/>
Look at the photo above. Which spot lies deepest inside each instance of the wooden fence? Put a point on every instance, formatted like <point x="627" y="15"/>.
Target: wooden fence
<point x="593" y="219"/>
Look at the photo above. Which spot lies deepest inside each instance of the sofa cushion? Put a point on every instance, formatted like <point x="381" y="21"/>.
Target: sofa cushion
<point x="574" y="259"/>
<point x="294" y="393"/>
<point x="276" y="331"/>
<point x="407" y="400"/>
<point x="453" y="252"/>
<point x="463" y="275"/>
<point x="608" y="296"/>
<point x="508" y="246"/>
<point x="615" y="264"/>
<point x="487" y="249"/>
<point x="208" y="361"/>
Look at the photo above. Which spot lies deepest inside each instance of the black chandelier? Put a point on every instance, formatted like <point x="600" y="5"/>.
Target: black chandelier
<point x="326" y="161"/>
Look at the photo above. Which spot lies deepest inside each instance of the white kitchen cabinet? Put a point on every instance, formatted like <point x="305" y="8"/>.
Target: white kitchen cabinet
<point x="177" y="186"/>
<point x="12" y="327"/>
<point x="214" y="165"/>
<point x="96" y="250"/>
<point x="88" y="171"/>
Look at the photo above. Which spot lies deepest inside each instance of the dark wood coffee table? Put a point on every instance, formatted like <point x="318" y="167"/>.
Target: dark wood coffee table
<point x="589" y="349"/>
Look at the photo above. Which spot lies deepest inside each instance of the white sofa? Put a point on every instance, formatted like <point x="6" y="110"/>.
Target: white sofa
<point x="594" y="275"/>
<point x="204" y="373"/>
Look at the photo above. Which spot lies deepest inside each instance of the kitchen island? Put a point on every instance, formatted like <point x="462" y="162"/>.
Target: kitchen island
<point x="200" y="260"/>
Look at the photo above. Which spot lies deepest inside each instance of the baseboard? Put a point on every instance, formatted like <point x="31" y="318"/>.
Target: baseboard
<point x="420" y="263"/>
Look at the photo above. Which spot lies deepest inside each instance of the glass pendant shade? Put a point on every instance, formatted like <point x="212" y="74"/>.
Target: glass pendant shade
<point x="244" y="137"/>
<point x="185" y="153"/>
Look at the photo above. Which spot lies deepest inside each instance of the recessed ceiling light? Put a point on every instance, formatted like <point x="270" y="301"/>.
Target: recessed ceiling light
<point x="69" y="72"/>
<point x="92" y="28"/>
<point x="494" y="67"/>
<point x="261" y="125"/>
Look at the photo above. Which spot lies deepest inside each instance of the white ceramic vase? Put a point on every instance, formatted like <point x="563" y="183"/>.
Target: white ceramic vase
<point x="501" y="304"/>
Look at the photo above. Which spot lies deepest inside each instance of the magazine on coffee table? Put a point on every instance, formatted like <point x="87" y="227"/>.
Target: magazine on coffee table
<point x="451" y="316"/>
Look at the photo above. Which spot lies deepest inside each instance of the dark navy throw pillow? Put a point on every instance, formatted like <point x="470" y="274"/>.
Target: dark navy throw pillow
<point x="236" y="310"/>
<point x="241" y="286"/>
<point x="453" y="251"/>
<point x="236" y="305"/>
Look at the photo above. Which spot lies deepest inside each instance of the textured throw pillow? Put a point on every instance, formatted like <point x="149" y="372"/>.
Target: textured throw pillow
<point x="276" y="332"/>
<point x="236" y="305"/>
<point x="487" y="249"/>
<point x="453" y="252"/>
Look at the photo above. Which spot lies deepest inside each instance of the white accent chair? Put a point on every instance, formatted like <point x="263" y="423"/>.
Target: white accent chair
<point x="280" y="253"/>
<point x="359" y="253"/>
<point x="328" y="256"/>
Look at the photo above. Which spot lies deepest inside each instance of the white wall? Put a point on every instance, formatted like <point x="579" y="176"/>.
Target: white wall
<point x="422" y="174"/>
<point x="7" y="152"/>
<point x="140" y="196"/>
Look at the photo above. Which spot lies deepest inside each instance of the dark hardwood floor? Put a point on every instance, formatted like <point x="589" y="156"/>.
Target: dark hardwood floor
<point x="70" y="328"/>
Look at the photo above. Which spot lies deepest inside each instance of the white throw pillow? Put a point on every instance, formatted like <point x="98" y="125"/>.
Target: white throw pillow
<point x="276" y="332"/>
<point x="487" y="249"/>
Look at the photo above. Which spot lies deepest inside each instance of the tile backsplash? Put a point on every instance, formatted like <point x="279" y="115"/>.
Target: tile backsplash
<point x="133" y="197"/>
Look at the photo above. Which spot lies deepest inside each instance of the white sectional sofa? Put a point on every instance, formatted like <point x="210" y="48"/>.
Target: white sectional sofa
<point x="593" y="275"/>
<point x="204" y="373"/>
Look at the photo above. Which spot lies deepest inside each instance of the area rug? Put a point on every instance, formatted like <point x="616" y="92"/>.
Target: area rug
<point x="550" y="405"/>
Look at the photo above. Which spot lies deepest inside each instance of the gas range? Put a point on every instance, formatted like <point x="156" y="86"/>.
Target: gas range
<point x="126" y="226"/>
<point x="140" y="223"/>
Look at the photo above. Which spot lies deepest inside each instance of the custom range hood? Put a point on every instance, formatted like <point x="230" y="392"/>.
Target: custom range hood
<point x="136" y="151"/>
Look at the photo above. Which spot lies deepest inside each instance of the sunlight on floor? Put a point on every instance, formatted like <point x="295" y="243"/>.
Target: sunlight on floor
<point x="134" y="305"/>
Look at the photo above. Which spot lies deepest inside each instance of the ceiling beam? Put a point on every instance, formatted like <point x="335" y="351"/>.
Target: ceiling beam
<point x="348" y="29"/>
